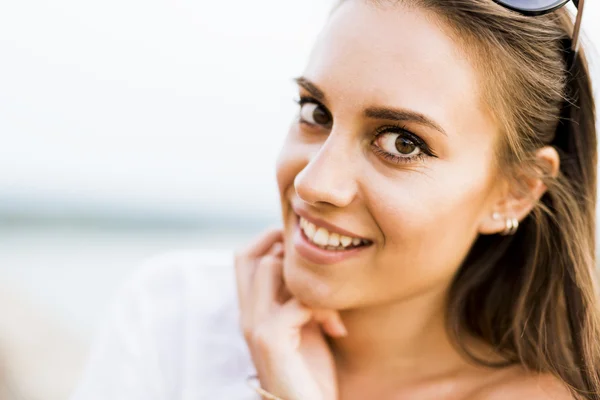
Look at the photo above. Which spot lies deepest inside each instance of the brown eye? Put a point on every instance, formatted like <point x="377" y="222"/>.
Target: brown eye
<point x="398" y="144"/>
<point x="405" y="146"/>
<point x="315" y="114"/>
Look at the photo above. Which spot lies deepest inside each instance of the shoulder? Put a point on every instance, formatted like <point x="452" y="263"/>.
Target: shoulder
<point x="180" y="269"/>
<point x="520" y="384"/>
<point x="172" y="332"/>
<point x="183" y="308"/>
<point x="186" y="289"/>
<point x="172" y="285"/>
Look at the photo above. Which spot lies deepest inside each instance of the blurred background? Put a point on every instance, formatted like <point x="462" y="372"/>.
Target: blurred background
<point x="129" y="128"/>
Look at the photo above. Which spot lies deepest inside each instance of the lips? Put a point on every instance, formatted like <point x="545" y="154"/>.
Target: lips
<point x="320" y="223"/>
<point x="325" y="239"/>
<point x="313" y="249"/>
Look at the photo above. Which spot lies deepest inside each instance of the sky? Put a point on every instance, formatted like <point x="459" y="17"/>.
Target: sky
<point x="159" y="105"/>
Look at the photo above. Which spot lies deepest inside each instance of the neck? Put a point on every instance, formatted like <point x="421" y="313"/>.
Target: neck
<point x="405" y="338"/>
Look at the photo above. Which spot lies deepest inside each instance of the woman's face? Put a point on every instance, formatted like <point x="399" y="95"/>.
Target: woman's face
<point x="393" y="146"/>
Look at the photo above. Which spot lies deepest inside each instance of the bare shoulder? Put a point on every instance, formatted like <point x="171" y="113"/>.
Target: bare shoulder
<point x="520" y="384"/>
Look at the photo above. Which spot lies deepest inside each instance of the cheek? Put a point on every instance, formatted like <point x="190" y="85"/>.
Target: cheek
<point x="419" y="207"/>
<point x="429" y="224"/>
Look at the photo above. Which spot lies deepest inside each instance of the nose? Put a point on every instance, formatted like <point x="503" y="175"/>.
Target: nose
<point x="329" y="177"/>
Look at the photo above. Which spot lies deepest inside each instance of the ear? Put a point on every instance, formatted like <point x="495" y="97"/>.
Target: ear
<point x="516" y="199"/>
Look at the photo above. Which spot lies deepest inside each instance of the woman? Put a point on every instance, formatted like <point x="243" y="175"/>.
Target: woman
<point x="437" y="191"/>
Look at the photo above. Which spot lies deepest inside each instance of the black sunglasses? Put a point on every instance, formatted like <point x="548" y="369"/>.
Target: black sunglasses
<point x="540" y="7"/>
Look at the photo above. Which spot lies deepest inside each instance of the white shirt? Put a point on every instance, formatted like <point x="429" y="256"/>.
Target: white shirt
<point x="173" y="334"/>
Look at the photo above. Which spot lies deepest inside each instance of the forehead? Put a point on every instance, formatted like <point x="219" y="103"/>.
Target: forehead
<point x="394" y="55"/>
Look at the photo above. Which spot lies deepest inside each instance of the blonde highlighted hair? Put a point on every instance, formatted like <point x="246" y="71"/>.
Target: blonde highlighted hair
<point x="532" y="296"/>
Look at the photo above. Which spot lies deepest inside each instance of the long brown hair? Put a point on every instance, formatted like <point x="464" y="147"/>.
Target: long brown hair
<point x="532" y="296"/>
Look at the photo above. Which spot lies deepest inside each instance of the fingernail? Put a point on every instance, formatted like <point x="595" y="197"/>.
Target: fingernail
<point x="341" y="330"/>
<point x="277" y="248"/>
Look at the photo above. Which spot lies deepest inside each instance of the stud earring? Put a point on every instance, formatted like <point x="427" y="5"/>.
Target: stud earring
<point x="512" y="224"/>
<point x="496" y="216"/>
<point x="515" y="223"/>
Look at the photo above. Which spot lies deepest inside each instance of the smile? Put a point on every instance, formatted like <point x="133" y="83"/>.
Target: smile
<point x="325" y="246"/>
<point x="327" y="240"/>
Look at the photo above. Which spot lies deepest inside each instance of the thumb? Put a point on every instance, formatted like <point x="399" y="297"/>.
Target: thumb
<point x="292" y="317"/>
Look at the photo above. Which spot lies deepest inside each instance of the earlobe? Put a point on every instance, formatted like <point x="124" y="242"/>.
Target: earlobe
<point x="522" y="196"/>
<point x="499" y="223"/>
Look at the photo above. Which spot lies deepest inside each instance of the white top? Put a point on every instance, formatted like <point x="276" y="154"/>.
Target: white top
<point x="39" y="358"/>
<point x="172" y="334"/>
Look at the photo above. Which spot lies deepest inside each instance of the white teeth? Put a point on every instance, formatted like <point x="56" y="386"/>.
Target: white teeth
<point x="334" y="239"/>
<point x="310" y="230"/>
<point x="321" y="237"/>
<point x="345" y="241"/>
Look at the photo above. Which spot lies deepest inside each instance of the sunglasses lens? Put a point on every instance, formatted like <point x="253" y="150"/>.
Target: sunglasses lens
<point x="533" y="6"/>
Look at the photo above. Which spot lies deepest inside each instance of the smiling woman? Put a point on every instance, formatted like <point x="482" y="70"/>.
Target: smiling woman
<point x="437" y="192"/>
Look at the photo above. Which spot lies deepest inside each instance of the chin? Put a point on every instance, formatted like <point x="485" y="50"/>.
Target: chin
<point x="310" y="288"/>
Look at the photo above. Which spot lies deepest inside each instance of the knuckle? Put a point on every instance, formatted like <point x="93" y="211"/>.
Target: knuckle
<point x="248" y="334"/>
<point x="261" y="337"/>
<point x="258" y="335"/>
<point x="248" y="331"/>
<point x="268" y="260"/>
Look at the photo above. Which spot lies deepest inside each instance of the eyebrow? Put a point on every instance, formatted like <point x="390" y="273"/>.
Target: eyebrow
<point x="390" y="114"/>
<point x="403" y="116"/>
<point x="311" y="88"/>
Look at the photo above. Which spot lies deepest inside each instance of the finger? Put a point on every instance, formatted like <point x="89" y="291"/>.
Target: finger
<point x="266" y="283"/>
<point x="262" y="244"/>
<point x="246" y="262"/>
<point x="277" y="249"/>
<point x="294" y="315"/>
<point x="331" y="322"/>
<point x="283" y="294"/>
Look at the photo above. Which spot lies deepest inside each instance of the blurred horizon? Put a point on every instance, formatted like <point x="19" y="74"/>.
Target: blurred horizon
<point x="130" y="128"/>
<point x="33" y="212"/>
<point x="169" y="107"/>
<point x="128" y="111"/>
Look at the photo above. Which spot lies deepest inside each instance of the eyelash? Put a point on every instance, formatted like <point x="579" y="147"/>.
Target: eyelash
<point x="425" y="150"/>
<point x="307" y="99"/>
<point x="400" y="129"/>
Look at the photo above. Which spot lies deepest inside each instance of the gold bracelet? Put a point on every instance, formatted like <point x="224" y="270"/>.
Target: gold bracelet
<point x="259" y="390"/>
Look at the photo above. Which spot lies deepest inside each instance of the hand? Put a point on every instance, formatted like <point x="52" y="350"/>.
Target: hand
<point x="285" y="338"/>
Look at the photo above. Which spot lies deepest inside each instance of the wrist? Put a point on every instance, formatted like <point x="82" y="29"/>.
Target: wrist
<point x="254" y="383"/>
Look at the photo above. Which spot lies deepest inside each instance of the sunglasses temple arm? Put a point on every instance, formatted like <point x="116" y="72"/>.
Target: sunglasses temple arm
<point x="577" y="29"/>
